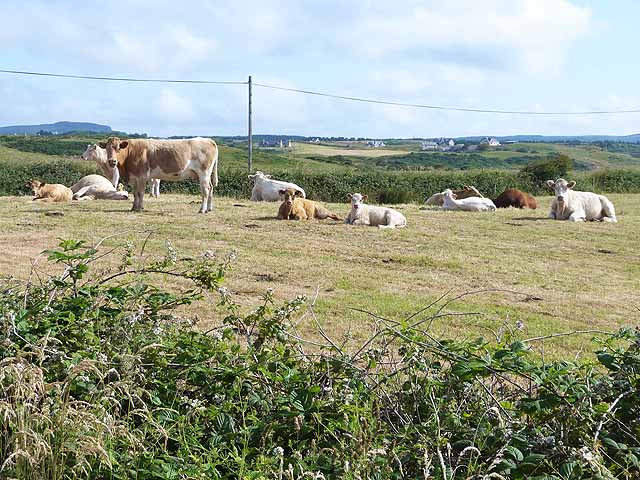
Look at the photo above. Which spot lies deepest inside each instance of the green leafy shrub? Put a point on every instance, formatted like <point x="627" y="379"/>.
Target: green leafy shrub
<point x="100" y="377"/>
<point x="553" y="168"/>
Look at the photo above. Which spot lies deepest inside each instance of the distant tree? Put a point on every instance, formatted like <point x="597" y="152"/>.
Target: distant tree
<point x="552" y="168"/>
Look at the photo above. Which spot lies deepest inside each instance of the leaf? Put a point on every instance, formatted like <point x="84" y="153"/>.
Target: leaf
<point x="515" y="453"/>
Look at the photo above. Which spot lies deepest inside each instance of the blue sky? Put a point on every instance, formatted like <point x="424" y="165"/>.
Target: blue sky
<point x="498" y="54"/>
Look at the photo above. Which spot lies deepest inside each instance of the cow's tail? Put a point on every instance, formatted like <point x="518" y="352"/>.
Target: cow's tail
<point x="214" y="179"/>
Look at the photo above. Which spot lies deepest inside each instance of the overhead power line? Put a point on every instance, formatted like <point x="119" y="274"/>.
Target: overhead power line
<point x="329" y="95"/>
<point x="121" y="79"/>
<point x="440" y="107"/>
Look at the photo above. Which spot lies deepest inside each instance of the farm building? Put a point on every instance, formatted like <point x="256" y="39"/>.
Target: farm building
<point x="491" y="141"/>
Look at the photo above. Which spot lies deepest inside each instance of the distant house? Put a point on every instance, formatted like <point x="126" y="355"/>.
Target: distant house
<point x="375" y="144"/>
<point x="491" y="141"/>
<point x="428" y="145"/>
<point x="317" y="140"/>
<point x="276" y="143"/>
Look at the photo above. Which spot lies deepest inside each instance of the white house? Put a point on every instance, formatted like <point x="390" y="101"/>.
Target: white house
<point x="376" y="144"/>
<point x="491" y="141"/>
<point x="428" y="145"/>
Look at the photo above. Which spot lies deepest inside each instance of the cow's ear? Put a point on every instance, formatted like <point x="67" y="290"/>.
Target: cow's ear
<point x="571" y="184"/>
<point x="251" y="176"/>
<point x="364" y="197"/>
<point x="282" y="192"/>
<point x="103" y="144"/>
<point x="349" y="195"/>
<point x="124" y="144"/>
<point x="551" y="184"/>
<point x="298" y="193"/>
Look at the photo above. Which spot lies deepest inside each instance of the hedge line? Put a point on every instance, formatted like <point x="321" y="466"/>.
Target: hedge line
<point x="387" y="186"/>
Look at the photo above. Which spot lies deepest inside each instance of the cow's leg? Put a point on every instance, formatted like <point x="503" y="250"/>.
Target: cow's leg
<point x="205" y="188"/>
<point x="578" y="216"/>
<point x="210" y="199"/>
<point x="552" y="215"/>
<point x="138" y="195"/>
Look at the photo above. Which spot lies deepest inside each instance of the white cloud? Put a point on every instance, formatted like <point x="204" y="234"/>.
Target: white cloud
<point x="533" y="35"/>
<point x="174" y="107"/>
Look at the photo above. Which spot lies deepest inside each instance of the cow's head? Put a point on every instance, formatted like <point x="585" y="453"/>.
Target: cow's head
<point x="357" y="200"/>
<point x="472" y="189"/>
<point x="113" y="145"/>
<point x="448" y="193"/>
<point x="35" y="185"/>
<point x="258" y="174"/>
<point x="90" y="152"/>
<point x="289" y="195"/>
<point x="561" y="188"/>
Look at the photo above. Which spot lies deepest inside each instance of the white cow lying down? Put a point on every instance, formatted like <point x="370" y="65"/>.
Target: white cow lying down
<point x="267" y="190"/>
<point x="96" y="187"/>
<point x="382" y="217"/>
<point x="98" y="154"/>
<point x="579" y="206"/>
<point x="470" y="204"/>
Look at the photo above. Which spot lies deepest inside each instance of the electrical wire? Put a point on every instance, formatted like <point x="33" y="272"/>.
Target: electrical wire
<point x="439" y="107"/>
<point x="121" y="79"/>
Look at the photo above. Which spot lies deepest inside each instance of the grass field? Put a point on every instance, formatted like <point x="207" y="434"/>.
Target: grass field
<point x="568" y="276"/>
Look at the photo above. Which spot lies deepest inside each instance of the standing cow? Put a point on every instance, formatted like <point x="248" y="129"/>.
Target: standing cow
<point x="579" y="206"/>
<point x="97" y="154"/>
<point x="139" y="160"/>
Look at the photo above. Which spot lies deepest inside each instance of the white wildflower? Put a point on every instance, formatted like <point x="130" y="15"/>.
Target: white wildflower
<point x="278" y="451"/>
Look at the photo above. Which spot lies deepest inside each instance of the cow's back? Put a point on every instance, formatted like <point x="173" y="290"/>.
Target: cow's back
<point x="92" y="180"/>
<point x="170" y="159"/>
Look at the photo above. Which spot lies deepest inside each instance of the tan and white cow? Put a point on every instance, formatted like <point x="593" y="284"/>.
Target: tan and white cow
<point x="139" y="160"/>
<point x="95" y="153"/>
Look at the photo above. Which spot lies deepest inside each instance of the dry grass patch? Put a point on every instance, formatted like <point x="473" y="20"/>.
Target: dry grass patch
<point x="568" y="276"/>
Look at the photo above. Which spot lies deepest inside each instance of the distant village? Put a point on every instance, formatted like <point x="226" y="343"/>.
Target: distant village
<point x="436" y="144"/>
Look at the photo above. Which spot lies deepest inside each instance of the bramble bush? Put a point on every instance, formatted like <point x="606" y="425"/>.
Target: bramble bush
<point x="101" y="377"/>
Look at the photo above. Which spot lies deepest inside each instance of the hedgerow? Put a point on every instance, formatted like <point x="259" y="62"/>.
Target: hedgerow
<point x="100" y="377"/>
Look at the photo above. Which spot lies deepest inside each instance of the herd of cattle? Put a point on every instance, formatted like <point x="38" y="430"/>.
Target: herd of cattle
<point x="139" y="161"/>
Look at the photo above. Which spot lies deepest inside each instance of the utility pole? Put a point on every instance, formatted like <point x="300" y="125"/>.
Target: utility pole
<point x="250" y="135"/>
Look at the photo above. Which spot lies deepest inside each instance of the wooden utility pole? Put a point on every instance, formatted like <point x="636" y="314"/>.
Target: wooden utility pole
<point x="250" y="135"/>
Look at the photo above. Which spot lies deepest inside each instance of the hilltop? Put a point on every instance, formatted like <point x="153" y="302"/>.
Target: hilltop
<point x="56" y="128"/>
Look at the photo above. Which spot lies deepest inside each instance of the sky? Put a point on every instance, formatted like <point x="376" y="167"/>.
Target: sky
<point x="535" y="55"/>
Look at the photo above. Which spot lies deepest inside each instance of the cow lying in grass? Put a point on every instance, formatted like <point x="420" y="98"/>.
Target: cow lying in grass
<point x="579" y="206"/>
<point x="96" y="187"/>
<point x="437" y="199"/>
<point x="265" y="189"/>
<point x="294" y="207"/>
<point x="512" y="197"/>
<point x="470" y="204"/>
<point x="382" y="217"/>
<point x="97" y="154"/>
<point x="50" y="192"/>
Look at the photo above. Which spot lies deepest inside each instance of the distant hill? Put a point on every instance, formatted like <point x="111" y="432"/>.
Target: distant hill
<point x="57" y="128"/>
<point x="635" y="138"/>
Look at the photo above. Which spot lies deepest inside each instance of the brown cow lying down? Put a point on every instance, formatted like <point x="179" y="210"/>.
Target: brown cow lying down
<point x="468" y="191"/>
<point x="294" y="207"/>
<point x="512" y="197"/>
<point x="50" y="192"/>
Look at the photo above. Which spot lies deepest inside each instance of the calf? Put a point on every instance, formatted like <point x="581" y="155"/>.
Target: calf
<point x="470" y="204"/>
<point x="382" y="217"/>
<point x="50" y="192"/>
<point x="265" y="189"/>
<point x="579" y="206"/>
<point x="437" y="199"/>
<point x="294" y="207"/>
<point x="96" y="187"/>
<point x="98" y="155"/>
<point x="512" y="197"/>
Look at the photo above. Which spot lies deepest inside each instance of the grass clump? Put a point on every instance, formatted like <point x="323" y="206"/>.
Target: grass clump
<point x="102" y="378"/>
